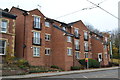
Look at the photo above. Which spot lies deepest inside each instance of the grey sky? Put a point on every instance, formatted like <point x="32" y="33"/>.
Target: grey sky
<point x="55" y="8"/>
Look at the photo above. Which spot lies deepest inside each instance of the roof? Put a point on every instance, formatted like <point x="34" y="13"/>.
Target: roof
<point x="98" y="34"/>
<point x="71" y="23"/>
<point x="20" y="9"/>
<point x="67" y="33"/>
<point x="7" y="14"/>
<point x="53" y="20"/>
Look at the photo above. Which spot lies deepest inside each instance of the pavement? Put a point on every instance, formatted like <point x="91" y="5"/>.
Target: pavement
<point x="36" y="75"/>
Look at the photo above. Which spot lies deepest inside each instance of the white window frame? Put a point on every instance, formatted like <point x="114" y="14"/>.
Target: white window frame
<point x="76" y="31"/>
<point x="86" y="55"/>
<point x="47" y="51"/>
<point x="77" y="44"/>
<point x="3" y="47"/>
<point x="47" y="37"/>
<point x="86" y="45"/>
<point x="85" y="35"/>
<point x="64" y="28"/>
<point x="37" y="21"/>
<point x="106" y="56"/>
<point x="69" y="39"/>
<point x="36" y="37"/>
<point x="47" y="24"/>
<point x="77" y="55"/>
<point x="36" y="51"/>
<point x="69" y="51"/>
<point x="106" y="39"/>
<point x="99" y="58"/>
<point x="105" y="46"/>
<point x="5" y="27"/>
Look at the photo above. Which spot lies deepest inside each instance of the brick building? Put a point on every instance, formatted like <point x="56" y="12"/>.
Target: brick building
<point x="45" y="42"/>
<point x="100" y="48"/>
<point x="7" y="33"/>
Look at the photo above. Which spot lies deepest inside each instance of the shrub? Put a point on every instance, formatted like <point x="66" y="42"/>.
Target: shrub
<point x="116" y="56"/>
<point x="54" y="66"/>
<point x="23" y="62"/>
<point x="113" y="64"/>
<point x="91" y="62"/>
<point x="75" y="67"/>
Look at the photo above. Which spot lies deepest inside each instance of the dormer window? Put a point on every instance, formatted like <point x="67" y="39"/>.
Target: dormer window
<point x="64" y="28"/>
<point x="69" y="39"/>
<point x="47" y="24"/>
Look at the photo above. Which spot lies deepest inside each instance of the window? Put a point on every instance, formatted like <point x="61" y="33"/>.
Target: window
<point x="105" y="39"/>
<point x="2" y="47"/>
<point x="86" y="55"/>
<point x="36" y="37"/>
<point x="105" y="46"/>
<point x="47" y="37"/>
<point x="47" y="24"/>
<point x="36" y="51"/>
<point x="86" y="46"/>
<point x="76" y="31"/>
<point x="105" y="55"/>
<point x="37" y="22"/>
<point x="99" y="57"/>
<point x="47" y="51"/>
<point x="85" y="35"/>
<point x="64" y="28"/>
<point x="77" y="55"/>
<point x="69" y="39"/>
<point x="69" y="51"/>
<point x="4" y="26"/>
<point x="77" y="45"/>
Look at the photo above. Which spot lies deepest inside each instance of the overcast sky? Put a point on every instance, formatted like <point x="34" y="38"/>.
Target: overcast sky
<point x="56" y="8"/>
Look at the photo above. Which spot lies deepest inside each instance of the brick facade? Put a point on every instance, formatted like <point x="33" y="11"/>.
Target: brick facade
<point x="7" y="34"/>
<point x="55" y="48"/>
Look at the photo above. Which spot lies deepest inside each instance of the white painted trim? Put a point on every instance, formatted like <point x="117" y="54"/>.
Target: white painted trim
<point x="99" y="58"/>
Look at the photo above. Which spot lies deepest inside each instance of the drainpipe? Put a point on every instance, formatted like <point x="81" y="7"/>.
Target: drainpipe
<point x="24" y="14"/>
<point x="73" y="49"/>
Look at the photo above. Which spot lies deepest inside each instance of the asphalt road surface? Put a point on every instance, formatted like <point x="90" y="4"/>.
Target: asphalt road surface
<point x="99" y="75"/>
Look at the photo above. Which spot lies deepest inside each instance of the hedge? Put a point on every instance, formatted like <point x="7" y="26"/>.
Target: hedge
<point x="75" y="67"/>
<point x="92" y="63"/>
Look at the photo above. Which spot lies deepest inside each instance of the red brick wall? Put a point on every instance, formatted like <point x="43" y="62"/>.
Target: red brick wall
<point x="9" y="36"/>
<point x="19" y="32"/>
<point x="82" y="28"/>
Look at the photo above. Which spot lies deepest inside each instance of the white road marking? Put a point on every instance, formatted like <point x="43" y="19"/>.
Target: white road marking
<point x="84" y="76"/>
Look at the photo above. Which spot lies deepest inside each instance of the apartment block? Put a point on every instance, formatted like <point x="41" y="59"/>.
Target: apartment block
<point x="7" y="33"/>
<point x="100" y="46"/>
<point x="45" y="42"/>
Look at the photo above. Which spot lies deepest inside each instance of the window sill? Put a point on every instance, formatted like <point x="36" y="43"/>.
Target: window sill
<point x="36" y="56"/>
<point x="3" y="32"/>
<point x="47" y="54"/>
<point x="47" y="26"/>
<point x="70" y="55"/>
<point x="69" y="41"/>
<point x="47" y="40"/>
<point x="8" y="33"/>
<point x="2" y="54"/>
<point x="78" y="58"/>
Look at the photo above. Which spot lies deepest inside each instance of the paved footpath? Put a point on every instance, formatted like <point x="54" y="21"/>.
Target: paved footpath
<point x="56" y="73"/>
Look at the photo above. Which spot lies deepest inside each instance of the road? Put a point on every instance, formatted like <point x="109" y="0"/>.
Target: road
<point x="110" y="74"/>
